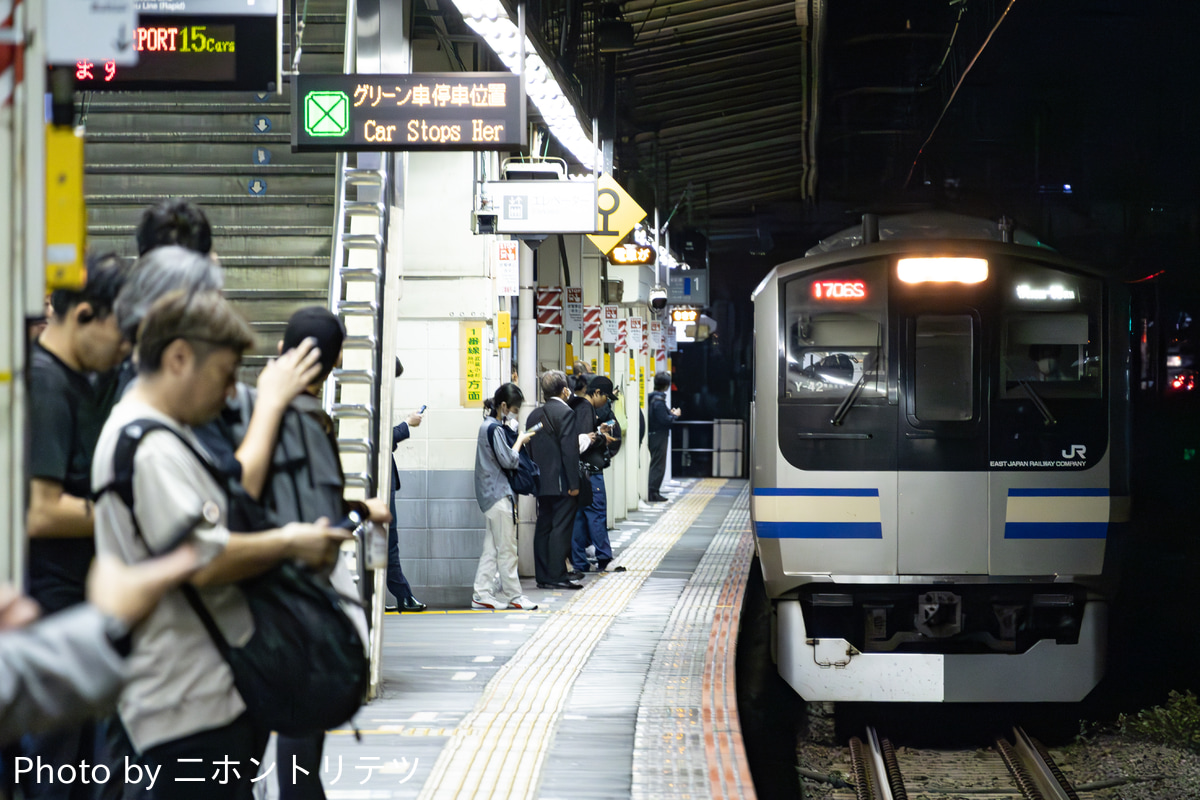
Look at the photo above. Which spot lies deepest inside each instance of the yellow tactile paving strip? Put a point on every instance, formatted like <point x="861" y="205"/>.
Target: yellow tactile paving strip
<point x="499" y="748"/>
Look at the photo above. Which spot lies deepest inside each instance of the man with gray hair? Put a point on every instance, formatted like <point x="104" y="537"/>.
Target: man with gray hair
<point x="556" y="452"/>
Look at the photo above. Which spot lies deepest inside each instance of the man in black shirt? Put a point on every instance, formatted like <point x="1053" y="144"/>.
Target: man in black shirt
<point x="66" y="415"/>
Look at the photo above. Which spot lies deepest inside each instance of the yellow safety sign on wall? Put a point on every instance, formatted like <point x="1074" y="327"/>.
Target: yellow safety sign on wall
<point x="472" y="381"/>
<point x="569" y="360"/>
<point x="642" y="387"/>
<point x="503" y="329"/>
<point x="616" y="214"/>
<point x="66" y="214"/>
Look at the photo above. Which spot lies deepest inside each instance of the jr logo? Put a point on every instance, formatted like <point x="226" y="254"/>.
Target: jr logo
<point x="1076" y="451"/>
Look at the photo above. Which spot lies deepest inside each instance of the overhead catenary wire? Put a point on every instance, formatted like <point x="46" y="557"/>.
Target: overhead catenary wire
<point x="953" y="93"/>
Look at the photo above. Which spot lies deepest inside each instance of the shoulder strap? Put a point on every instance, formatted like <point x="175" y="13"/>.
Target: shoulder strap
<point x="128" y="441"/>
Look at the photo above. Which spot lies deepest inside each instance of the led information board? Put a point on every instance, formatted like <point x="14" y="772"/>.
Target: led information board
<point x="190" y="52"/>
<point x="416" y="111"/>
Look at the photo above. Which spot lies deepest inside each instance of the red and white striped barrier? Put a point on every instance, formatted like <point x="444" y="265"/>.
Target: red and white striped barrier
<point x="591" y="325"/>
<point x="549" y="309"/>
<point x="8" y="53"/>
<point x="622" y="335"/>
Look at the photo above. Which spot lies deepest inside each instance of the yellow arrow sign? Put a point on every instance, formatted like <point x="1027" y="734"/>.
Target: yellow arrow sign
<point x="616" y="214"/>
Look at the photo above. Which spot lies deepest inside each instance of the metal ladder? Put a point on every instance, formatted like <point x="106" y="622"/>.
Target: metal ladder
<point x="352" y="393"/>
<point x="357" y="396"/>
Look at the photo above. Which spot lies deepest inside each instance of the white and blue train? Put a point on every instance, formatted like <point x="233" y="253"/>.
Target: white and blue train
<point x="939" y="459"/>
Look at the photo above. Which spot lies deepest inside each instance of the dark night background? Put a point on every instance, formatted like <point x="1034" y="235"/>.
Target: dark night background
<point x="1097" y="95"/>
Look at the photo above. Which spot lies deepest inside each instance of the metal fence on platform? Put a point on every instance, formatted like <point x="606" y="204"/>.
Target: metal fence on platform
<point x="708" y="448"/>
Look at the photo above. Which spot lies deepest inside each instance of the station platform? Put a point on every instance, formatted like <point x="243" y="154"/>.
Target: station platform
<point x="624" y="689"/>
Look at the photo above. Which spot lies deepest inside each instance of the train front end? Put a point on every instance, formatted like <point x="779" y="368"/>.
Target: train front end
<point x="938" y="464"/>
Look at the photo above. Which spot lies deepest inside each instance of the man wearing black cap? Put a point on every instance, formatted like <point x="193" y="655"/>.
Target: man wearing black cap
<point x="591" y="521"/>
<point x="306" y="483"/>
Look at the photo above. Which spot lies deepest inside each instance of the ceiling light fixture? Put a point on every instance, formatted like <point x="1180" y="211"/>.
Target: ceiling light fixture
<point x="489" y="19"/>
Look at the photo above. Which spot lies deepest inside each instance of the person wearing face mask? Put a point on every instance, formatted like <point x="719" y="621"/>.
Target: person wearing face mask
<point x="496" y="582"/>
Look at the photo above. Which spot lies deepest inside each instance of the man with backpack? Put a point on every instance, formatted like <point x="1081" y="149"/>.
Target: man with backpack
<point x="306" y="482"/>
<point x="180" y="703"/>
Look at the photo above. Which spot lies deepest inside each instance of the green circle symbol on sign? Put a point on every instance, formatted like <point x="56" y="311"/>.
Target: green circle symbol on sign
<point x="326" y="114"/>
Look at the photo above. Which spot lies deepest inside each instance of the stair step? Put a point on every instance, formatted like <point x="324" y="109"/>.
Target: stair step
<point x="143" y="200"/>
<point x="248" y="183"/>
<point x="215" y="121"/>
<point x="208" y="169"/>
<point x="98" y="154"/>
<point x="192" y="137"/>
<point x="120" y="220"/>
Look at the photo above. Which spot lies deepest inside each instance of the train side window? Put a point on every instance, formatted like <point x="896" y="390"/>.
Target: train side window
<point x="943" y="373"/>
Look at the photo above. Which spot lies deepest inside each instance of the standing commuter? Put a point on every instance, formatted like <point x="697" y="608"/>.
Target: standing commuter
<point x="65" y="417"/>
<point x="306" y="482"/>
<point x="556" y="452"/>
<point x="172" y="221"/>
<point x="180" y="703"/>
<point x="660" y="434"/>
<point x="397" y="584"/>
<point x="591" y="521"/>
<point x="496" y="581"/>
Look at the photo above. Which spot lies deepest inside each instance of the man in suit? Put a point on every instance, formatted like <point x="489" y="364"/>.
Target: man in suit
<point x="556" y="452"/>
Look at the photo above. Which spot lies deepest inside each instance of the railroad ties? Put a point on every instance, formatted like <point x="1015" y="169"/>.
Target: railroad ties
<point x="1031" y="771"/>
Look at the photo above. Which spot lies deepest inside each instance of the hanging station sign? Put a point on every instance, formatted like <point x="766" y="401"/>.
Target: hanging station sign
<point x="414" y="111"/>
<point x="194" y="52"/>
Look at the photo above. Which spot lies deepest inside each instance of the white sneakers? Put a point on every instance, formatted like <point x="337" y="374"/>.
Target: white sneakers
<point x="522" y="603"/>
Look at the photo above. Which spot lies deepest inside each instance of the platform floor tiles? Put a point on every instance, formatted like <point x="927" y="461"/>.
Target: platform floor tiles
<point x="597" y="694"/>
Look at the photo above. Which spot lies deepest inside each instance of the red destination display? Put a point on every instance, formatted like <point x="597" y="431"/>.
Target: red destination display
<point x="191" y="52"/>
<point x="839" y="290"/>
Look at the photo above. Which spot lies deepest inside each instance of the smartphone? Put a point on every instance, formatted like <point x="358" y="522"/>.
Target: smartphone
<point x="422" y="411"/>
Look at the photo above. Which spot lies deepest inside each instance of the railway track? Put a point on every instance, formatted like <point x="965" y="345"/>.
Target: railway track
<point x="1014" y="768"/>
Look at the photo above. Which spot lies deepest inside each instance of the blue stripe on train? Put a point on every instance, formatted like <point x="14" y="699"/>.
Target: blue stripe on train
<point x="819" y="530"/>
<point x="1058" y="492"/>
<point x="816" y="492"/>
<point x="1056" y="530"/>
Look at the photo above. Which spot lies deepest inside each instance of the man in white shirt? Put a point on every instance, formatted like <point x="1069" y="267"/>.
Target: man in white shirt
<point x="180" y="707"/>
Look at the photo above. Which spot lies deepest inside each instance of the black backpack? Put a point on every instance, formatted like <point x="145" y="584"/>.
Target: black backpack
<point x="527" y="477"/>
<point x="304" y="670"/>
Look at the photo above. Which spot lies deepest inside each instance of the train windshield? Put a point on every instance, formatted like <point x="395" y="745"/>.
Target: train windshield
<point x="834" y="329"/>
<point x="1051" y="333"/>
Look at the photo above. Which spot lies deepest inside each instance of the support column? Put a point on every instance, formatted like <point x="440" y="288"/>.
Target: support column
<point x="527" y="380"/>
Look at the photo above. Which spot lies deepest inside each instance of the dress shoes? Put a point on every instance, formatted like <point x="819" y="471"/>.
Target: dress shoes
<point x="575" y="575"/>
<point x="560" y="585"/>
<point x="656" y="498"/>
<point x="412" y="604"/>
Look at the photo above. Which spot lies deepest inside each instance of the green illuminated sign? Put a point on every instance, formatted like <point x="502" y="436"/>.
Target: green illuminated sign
<point x="326" y="114"/>
<point x="408" y="111"/>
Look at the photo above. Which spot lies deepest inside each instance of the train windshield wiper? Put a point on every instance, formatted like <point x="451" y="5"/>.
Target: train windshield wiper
<point x="1038" y="403"/>
<point x="849" y="401"/>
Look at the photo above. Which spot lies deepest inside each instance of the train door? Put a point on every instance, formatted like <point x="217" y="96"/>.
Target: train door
<point x="942" y="442"/>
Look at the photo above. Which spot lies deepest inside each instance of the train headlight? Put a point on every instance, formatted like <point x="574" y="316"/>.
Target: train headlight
<point x="942" y="270"/>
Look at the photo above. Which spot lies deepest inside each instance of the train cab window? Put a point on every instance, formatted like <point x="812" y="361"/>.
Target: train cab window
<point x="833" y="324"/>
<point x="1050" y="338"/>
<point x="943" y="372"/>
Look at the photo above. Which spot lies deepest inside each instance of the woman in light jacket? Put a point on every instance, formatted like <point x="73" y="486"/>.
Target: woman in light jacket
<point x="496" y="582"/>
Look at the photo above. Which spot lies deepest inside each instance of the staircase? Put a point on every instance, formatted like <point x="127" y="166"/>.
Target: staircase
<point x="271" y="210"/>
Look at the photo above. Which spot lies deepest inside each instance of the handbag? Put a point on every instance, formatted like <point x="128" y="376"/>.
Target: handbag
<point x="304" y="669"/>
<point x="527" y="477"/>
